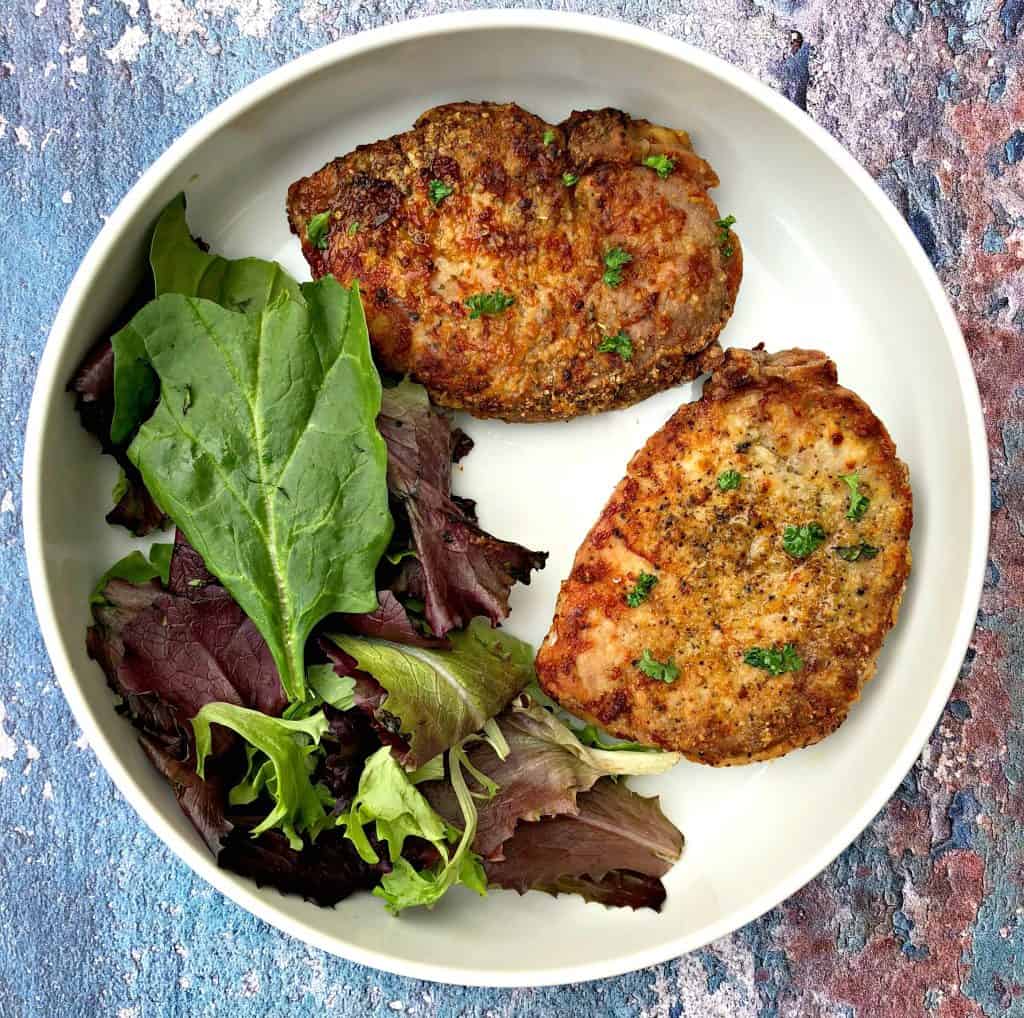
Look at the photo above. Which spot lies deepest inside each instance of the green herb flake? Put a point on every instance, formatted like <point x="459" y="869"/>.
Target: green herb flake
<point x="570" y="179"/>
<point x="493" y="303"/>
<point x="438" y="191"/>
<point x="641" y="590"/>
<point x="729" y="480"/>
<point x="655" y="669"/>
<point x="856" y="552"/>
<point x="661" y="165"/>
<point x="317" y="229"/>
<point x="353" y="227"/>
<point x="619" y="343"/>
<point x="859" y="502"/>
<point x="549" y="137"/>
<point x="802" y="541"/>
<point x="774" y="660"/>
<point x="724" y="242"/>
<point x="615" y="260"/>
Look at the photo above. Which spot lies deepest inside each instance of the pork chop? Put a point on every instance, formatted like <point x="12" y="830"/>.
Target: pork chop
<point x="525" y="270"/>
<point x="732" y="598"/>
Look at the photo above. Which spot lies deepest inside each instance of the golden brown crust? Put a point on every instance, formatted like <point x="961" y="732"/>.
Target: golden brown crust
<point x="725" y="581"/>
<point x="511" y="223"/>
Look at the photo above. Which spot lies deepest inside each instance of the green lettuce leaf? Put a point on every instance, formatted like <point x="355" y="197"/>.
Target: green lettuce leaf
<point x="541" y="773"/>
<point x="264" y="451"/>
<point x="181" y="266"/>
<point x="442" y="696"/>
<point x="136" y="568"/>
<point x="284" y="774"/>
<point x="388" y="798"/>
<point x="330" y="687"/>
<point x="588" y="733"/>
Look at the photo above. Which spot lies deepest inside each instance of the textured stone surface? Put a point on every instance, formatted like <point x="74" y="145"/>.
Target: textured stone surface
<point x="922" y="916"/>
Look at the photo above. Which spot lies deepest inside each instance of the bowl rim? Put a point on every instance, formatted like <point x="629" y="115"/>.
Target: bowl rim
<point x="50" y="384"/>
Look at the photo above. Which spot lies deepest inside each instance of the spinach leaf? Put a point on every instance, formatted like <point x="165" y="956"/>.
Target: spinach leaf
<point x="440" y="697"/>
<point x="275" y="472"/>
<point x="180" y="265"/>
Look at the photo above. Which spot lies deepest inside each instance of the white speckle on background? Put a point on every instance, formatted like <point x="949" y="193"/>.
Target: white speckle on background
<point x="128" y="1012"/>
<point x="51" y="133"/>
<point x="31" y="751"/>
<point x="3" y="125"/>
<point x="174" y="18"/>
<point x="685" y="982"/>
<point x="396" y="1005"/>
<point x="253" y="17"/>
<point x="3" y="774"/>
<point x="40" y="8"/>
<point x="184" y="983"/>
<point x="311" y="11"/>
<point x="67" y="197"/>
<point x="76" y="15"/>
<point x="82" y="742"/>
<point x="251" y="983"/>
<point x="8" y="67"/>
<point x="127" y="49"/>
<point x="50" y="69"/>
<point x="22" y="138"/>
<point x="47" y="790"/>
<point x="80" y="65"/>
<point x="132" y="7"/>
<point x="8" y="747"/>
<point x="7" y="503"/>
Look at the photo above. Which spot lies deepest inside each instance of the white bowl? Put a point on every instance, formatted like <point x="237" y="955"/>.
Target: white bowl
<point x="828" y="263"/>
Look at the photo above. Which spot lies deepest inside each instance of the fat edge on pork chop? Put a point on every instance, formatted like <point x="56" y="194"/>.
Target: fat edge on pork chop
<point x="525" y="270"/>
<point x="731" y="600"/>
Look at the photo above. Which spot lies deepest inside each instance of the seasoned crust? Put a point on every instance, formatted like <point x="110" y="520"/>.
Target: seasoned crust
<point x="511" y="223"/>
<point x="725" y="582"/>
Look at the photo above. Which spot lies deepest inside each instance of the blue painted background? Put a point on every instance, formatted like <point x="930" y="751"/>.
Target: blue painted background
<point x="922" y="916"/>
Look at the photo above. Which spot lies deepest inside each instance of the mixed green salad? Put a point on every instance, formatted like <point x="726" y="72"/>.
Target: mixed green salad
<point x="312" y="660"/>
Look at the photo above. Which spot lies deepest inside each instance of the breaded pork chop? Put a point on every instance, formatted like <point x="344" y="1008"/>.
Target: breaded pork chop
<point x="731" y="599"/>
<point x="497" y="253"/>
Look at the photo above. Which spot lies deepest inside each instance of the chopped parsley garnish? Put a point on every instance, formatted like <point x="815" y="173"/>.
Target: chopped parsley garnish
<point x="641" y="589"/>
<point x="317" y="229"/>
<point x="438" y="191"/>
<point x="858" y="502"/>
<point x="570" y="179"/>
<point x="801" y="541"/>
<point x="493" y="303"/>
<point x="661" y="165"/>
<point x="856" y="552"/>
<point x="620" y="344"/>
<point x="774" y="660"/>
<point x="723" y="238"/>
<point x="654" y="669"/>
<point x="729" y="480"/>
<point x="615" y="260"/>
<point x="353" y="227"/>
<point x="549" y="137"/>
